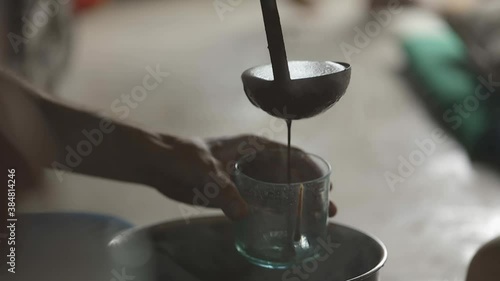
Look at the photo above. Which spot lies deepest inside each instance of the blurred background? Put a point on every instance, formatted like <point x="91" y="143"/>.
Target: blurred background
<point x="414" y="144"/>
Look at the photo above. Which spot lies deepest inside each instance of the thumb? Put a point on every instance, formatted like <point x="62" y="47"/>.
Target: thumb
<point x="229" y="199"/>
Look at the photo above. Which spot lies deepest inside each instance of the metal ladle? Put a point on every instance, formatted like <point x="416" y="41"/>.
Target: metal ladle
<point x="297" y="89"/>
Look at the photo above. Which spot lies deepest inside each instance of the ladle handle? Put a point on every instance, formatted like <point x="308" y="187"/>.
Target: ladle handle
<point x="275" y="41"/>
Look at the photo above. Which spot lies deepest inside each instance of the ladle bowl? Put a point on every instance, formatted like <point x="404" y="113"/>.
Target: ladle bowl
<point x="314" y="87"/>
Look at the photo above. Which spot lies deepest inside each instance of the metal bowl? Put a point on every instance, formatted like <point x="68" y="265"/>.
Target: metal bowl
<point x="203" y="249"/>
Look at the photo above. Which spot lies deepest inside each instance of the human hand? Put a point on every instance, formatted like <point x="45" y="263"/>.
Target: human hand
<point x="198" y="172"/>
<point x="231" y="149"/>
<point x="186" y="171"/>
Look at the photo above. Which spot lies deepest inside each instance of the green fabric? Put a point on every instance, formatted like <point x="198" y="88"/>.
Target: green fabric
<point x="438" y="63"/>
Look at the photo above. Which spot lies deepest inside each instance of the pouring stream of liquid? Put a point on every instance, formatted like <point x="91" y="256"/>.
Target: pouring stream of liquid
<point x="294" y="226"/>
<point x="281" y="73"/>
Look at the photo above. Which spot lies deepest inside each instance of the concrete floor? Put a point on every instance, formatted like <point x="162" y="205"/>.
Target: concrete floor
<point x="432" y="223"/>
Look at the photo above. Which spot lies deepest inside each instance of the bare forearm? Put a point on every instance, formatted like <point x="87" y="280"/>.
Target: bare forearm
<point x="90" y="144"/>
<point x="83" y="141"/>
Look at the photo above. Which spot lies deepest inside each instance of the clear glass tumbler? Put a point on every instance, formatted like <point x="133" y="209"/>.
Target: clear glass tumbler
<point x="288" y="212"/>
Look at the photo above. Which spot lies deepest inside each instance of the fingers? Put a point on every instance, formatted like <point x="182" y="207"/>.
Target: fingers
<point x="189" y="173"/>
<point x="171" y="188"/>
<point x="219" y="192"/>
<point x="229" y="199"/>
<point x="332" y="209"/>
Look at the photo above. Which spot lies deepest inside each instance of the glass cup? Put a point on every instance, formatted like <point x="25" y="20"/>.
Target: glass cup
<point x="288" y="212"/>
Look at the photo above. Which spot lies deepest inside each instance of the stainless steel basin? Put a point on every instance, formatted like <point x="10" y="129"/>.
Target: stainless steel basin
<point x="203" y="249"/>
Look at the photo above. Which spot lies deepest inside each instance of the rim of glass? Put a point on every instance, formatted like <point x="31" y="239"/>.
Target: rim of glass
<point x="326" y="175"/>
